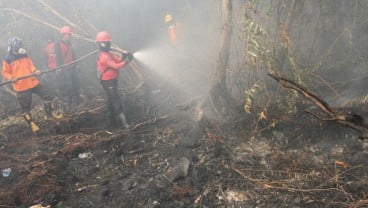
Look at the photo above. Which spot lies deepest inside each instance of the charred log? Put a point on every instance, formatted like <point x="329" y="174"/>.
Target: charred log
<point x="218" y="93"/>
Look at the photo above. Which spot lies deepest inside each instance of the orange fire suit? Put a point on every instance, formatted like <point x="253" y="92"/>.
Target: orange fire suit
<point x="15" y="66"/>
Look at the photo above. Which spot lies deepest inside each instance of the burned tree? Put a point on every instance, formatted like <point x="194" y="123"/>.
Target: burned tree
<point x="218" y="93"/>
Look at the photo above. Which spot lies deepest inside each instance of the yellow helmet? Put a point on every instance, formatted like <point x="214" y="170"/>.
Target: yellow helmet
<point x="168" y="18"/>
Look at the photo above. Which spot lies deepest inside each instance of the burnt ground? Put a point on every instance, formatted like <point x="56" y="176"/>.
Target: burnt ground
<point x="166" y="159"/>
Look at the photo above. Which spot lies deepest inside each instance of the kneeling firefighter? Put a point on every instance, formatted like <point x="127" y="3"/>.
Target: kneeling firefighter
<point x="108" y="65"/>
<point x="17" y="64"/>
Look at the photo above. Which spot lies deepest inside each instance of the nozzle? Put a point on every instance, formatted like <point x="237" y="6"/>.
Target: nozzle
<point x="127" y="56"/>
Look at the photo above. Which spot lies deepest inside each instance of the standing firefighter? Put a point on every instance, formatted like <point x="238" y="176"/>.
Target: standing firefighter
<point x="17" y="64"/>
<point x="174" y="30"/>
<point x="65" y="80"/>
<point x="108" y="65"/>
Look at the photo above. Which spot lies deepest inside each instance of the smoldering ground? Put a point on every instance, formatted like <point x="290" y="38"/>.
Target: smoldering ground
<point x="269" y="157"/>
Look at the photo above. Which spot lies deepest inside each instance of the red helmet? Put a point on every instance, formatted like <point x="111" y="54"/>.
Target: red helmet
<point x="103" y="37"/>
<point x="66" y="30"/>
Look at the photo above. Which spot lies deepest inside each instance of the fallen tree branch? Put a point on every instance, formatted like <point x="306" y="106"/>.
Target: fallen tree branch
<point x="18" y="12"/>
<point x="324" y="81"/>
<point x="267" y="186"/>
<point x="150" y="121"/>
<point x="355" y="122"/>
<point x="29" y="17"/>
<point x="57" y="14"/>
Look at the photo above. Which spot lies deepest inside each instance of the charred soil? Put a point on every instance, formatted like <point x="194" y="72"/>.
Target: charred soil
<point x="165" y="159"/>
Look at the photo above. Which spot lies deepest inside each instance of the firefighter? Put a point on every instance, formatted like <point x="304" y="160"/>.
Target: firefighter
<point x="65" y="80"/>
<point x="173" y="29"/>
<point x="108" y="65"/>
<point x="17" y="64"/>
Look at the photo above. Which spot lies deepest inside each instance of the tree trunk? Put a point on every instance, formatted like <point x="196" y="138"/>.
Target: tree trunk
<point x="218" y="91"/>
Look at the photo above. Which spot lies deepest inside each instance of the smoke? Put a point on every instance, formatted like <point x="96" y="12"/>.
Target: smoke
<point x="179" y="67"/>
<point x="162" y="61"/>
<point x="136" y="25"/>
<point x="186" y="65"/>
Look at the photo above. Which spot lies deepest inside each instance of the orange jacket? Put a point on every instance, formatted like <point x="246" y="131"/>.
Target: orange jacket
<point x="16" y="66"/>
<point x="59" y="53"/>
<point x="175" y="32"/>
<point x="109" y="64"/>
<point x="51" y="55"/>
<point x="172" y="34"/>
<point x="64" y="53"/>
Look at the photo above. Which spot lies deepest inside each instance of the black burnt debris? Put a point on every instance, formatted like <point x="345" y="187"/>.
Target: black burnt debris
<point x="225" y="103"/>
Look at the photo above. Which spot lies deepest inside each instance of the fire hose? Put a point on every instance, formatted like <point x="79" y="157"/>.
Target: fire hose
<point x="49" y="70"/>
<point x="133" y="66"/>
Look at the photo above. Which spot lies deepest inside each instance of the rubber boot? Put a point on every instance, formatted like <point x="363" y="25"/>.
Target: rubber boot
<point x="123" y="121"/>
<point x="48" y="108"/>
<point x="27" y="116"/>
<point x="50" y="113"/>
<point x="113" y="123"/>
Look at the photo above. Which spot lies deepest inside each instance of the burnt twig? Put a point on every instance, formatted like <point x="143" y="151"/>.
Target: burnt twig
<point x="150" y="121"/>
<point x="345" y="120"/>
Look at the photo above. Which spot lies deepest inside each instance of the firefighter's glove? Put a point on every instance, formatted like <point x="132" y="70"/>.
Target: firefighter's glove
<point x="127" y="56"/>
